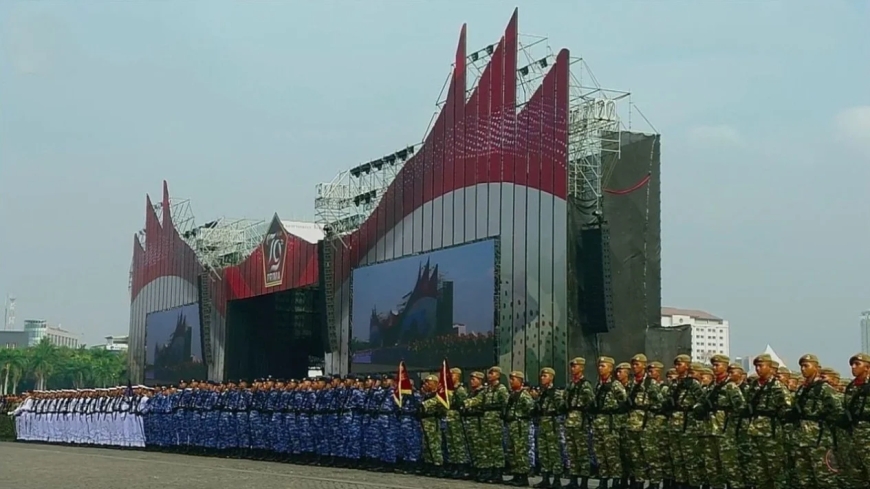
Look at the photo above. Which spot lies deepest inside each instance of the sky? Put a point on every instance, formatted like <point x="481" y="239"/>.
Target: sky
<point x="243" y="107"/>
<point x="470" y="267"/>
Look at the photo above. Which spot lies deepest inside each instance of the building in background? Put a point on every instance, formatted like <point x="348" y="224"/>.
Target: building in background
<point x="865" y="331"/>
<point x="710" y="334"/>
<point x="745" y="362"/>
<point x="13" y="339"/>
<point x="37" y="329"/>
<point x="117" y="343"/>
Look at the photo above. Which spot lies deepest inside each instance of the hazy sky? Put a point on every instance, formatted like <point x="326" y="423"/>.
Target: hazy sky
<point x="470" y="267"/>
<point x="243" y="107"/>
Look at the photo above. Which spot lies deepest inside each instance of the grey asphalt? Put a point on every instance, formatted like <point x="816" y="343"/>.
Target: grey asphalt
<point x="30" y="466"/>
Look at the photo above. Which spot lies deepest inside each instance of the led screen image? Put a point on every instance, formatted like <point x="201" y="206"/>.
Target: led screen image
<point x="173" y="346"/>
<point x="424" y="308"/>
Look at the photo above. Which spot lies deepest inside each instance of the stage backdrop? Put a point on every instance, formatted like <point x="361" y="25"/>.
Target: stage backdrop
<point x="424" y="308"/>
<point x="487" y="169"/>
<point x="173" y="346"/>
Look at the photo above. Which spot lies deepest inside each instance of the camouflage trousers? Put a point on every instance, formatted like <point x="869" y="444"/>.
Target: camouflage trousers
<point x="549" y="451"/>
<point x="675" y="440"/>
<point x="493" y="437"/>
<point x="690" y="449"/>
<point x="766" y="468"/>
<point x="518" y="447"/>
<point x="576" y="441"/>
<point x="635" y="455"/>
<point x="457" y="448"/>
<point x="811" y="469"/>
<point x="657" y="451"/>
<point x="606" y="444"/>
<point x="859" y="454"/>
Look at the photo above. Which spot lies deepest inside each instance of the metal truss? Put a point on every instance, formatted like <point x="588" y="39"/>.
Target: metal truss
<point x="225" y="242"/>
<point x="343" y="204"/>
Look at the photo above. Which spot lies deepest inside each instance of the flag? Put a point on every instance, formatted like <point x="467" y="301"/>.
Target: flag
<point x="445" y="385"/>
<point x="128" y="392"/>
<point x="403" y="384"/>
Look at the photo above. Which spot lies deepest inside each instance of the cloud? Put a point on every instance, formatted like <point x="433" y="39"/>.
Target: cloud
<point x="852" y="126"/>
<point x="720" y="135"/>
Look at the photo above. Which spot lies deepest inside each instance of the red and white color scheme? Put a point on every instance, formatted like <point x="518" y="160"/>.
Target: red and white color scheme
<point x="487" y="169"/>
<point x="166" y="269"/>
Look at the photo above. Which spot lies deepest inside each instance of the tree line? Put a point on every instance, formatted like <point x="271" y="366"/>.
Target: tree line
<point x="46" y="366"/>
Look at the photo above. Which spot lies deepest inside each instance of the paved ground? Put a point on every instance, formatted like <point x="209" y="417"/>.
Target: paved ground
<point x="26" y="466"/>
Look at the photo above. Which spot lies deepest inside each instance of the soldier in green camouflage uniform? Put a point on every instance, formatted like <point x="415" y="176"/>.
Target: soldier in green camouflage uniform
<point x="578" y="397"/>
<point x="767" y="403"/>
<point x="783" y="375"/>
<point x="744" y="447"/>
<point x="472" y="420"/>
<point x="623" y="372"/>
<point x="846" y="471"/>
<point x="607" y="408"/>
<point x="856" y="402"/>
<point x="659" y="457"/>
<point x="548" y="406"/>
<point x="719" y="413"/>
<point x="495" y="397"/>
<point x="517" y="418"/>
<point x="815" y="410"/>
<point x="457" y="443"/>
<point x="682" y="397"/>
<point x="644" y="399"/>
<point x="431" y="412"/>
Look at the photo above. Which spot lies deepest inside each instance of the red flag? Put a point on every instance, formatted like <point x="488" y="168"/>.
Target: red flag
<point x="403" y="384"/>
<point x="445" y="385"/>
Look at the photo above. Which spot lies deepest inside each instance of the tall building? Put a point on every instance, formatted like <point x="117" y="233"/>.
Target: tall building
<point x="37" y="329"/>
<point x="865" y="331"/>
<point x="710" y="334"/>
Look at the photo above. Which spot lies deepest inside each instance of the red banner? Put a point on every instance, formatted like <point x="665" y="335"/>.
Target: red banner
<point x="445" y="385"/>
<point x="403" y="384"/>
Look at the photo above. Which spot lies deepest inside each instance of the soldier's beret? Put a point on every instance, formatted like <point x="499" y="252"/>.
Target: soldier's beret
<point x="796" y="375"/>
<point x="478" y="375"/>
<point x="752" y="376"/>
<point x="640" y="357"/>
<point x="386" y="377"/>
<point x="705" y="371"/>
<point x="323" y="378"/>
<point x="736" y="366"/>
<point x="578" y="361"/>
<point x="517" y="374"/>
<point x="808" y="358"/>
<point x="720" y="359"/>
<point x="860" y="357"/>
<point x="682" y="359"/>
<point x="336" y="376"/>
<point x="623" y="366"/>
<point x="829" y="372"/>
<point x="783" y="370"/>
<point x="696" y="366"/>
<point x="431" y="378"/>
<point x="763" y="358"/>
<point x="609" y="360"/>
<point x="549" y="371"/>
<point x="845" y="382"/>
<point x="655" y="364"/>
<point x="351" y="377"/>
<point x="455" y="370"/>
<point x="494" y="370"/>
<point x="672" y="371"/>
<point x="774" y="364"/>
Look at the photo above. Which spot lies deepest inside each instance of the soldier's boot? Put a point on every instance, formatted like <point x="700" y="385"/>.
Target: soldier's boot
<point x="572" y="483"/>
<point x="545" y="482"/>
<point x="557" y="482"/>
<point x="496" y="477"/>
<point x="482" y="475"/>
<point x="653" y="485"/>
<point x="584" y="483"/>
<point x="520" y="480"/>
<point x="603" y="483"/>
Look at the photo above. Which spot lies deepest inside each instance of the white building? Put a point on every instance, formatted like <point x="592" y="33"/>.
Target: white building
<point x="37" y="329"/>
<point x="865" y="331"/>
<point x="710" y="334"/>
<point x="116" y="343"/>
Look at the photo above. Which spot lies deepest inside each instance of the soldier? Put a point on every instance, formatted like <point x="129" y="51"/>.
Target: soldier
<point x="494" y="401"/>
<point x="683" y="395"/>
<point x="856" y="401"/>
<point x="814" y="411"/>
<point x="548" y="406"/>
<point x="457" y="442"/>
<point x="767" y="404"/>
<point x="579" y="396"/>
<point x="644" y="398"/>
<point x="657" y="427"/>
<point x="609" y="402"/>
<point x="720" y="411"/>
<point x="622" y="373"/>
<point x="517" y="418"/>
<point x="472" y="419"/>
<point x="431" y="411"/>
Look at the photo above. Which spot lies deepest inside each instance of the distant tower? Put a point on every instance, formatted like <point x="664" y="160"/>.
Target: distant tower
<point x="9" y="323"/>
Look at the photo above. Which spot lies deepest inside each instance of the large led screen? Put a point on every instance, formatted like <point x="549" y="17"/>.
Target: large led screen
<point x="425" y="308"/>
<point x="173" y="346"/>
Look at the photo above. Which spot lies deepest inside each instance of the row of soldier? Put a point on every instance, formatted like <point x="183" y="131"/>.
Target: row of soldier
<point x="696" y="426"/>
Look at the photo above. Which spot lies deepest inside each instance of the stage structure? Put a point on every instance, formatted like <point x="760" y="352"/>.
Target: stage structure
<point x="523" y="147"/>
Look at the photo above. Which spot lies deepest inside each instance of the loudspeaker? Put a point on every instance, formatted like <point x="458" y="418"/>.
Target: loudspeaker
<point x="597" y="297"/>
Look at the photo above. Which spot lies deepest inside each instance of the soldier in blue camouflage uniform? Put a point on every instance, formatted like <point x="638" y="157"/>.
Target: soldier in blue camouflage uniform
<point x="371" y="439"/>
<point x="305" y="420"/>
<point x="244" y="401"/>
<point x="389" y="426"/>
<point x="410" y="432"/>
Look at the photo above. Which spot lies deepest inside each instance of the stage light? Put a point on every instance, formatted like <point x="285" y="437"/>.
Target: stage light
<point x="403" y="155"/>
<point x="524" y="71"/>
<point x="411" y="150"/>
<point x="543" y="62"/>
<point x="473" y="57"/>
<point x="490" y="49"/>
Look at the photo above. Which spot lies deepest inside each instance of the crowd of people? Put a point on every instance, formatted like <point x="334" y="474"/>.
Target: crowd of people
<point x="638" y="425"/>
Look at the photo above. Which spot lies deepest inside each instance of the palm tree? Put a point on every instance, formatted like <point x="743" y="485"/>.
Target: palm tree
<point x="42" y="360"/>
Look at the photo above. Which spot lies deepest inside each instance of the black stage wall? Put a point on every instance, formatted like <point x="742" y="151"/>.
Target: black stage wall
<point x="274" y="334"/>
<point x="630" y="235"/>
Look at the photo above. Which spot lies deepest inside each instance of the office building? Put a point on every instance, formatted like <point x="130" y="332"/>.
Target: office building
<point x="710" y="334"/>
<point x="37" y="329"/>
<point x="865" y="331"/>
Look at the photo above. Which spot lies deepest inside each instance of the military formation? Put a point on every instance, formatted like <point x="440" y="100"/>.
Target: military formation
<point x="638" y="425"/>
